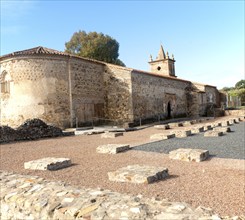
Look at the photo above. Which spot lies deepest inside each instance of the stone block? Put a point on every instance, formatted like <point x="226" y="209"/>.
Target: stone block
<point x="225" y="123"/>
<point x="231" y="121"/>
<point x="111" y="134"/>
<point x="112" y="148"/>
<point x="217" y="124"/>
<point x="213" y="133"/>
<point x="68" y="133"/>
<point x="162" y="127"/>
<point x="138" y="174"/>
<point x="207" y="127"/>
<point x="196" y="155"/>
<point x="181" y="133"/>
<point x="222" y="129"/>
<point x="188" y="123"/>
<point x="92" y="132"/>
<point x="175" y="124"/>
<point x="48" y="163"/>
<point x="197" y="121"/>
<point x="213" y="125"/>
<point x="236" y="120"/>
<point x="161" y="136"/>
<point x="241" y="118"/>
<point x="197" y="129"/>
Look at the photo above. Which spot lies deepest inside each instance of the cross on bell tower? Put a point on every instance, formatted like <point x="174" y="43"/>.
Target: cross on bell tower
<point x="163" y="65"/>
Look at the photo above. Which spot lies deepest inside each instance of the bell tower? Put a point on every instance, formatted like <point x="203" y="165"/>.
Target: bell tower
<point x="163" y="65"/>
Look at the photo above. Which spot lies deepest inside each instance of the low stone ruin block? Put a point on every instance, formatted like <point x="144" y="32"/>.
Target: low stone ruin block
<point x="175" y="124"/>
<point x="217" y="124"/>
<point x="48" y="163"/>
<point x="112" y="148"/>
<point x="188" y="123"/>
<point x="197" y="120"/>
<point x="138" y="174"/>
<point x="68" y="133"/>
<point x="231" y="121"/>
<point x="225" y="123"/>
<point x="236" y="120"/>
<point x="161" y="136"/>
<point x="213" y="125"/>
<point x="92" y="132"/>
<point x="222" y="129"/>
<point x="181" y="133"/>
<point x="207" y="127"/>
<point x="213" y="133"/>
<point x="197" y="129"/>
<point x="111" y="134"/>
<point x="241" y="118"/>
<point x="162" y="127"/>
<point x="196" y="155"/>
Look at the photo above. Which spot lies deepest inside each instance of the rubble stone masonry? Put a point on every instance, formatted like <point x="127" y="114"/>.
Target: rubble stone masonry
<point x="68" y="91"/>
<point x="151" y="95"/>
<point x="39" y="85"/>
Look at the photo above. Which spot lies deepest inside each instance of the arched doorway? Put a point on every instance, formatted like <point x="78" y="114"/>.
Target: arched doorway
<point x="169" y="109"/>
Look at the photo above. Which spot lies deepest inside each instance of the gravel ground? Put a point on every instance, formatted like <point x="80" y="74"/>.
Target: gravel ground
<point x="217" y="183"/>
<point x="231" y="145"/>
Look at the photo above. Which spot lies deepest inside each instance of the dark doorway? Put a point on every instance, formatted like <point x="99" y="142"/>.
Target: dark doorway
<point x="169" y="109"/>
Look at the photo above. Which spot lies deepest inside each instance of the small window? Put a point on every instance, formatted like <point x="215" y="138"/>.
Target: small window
<point x="158" y="68"/>
<point x="5" y="87"/>
<point x="5" y="82"/>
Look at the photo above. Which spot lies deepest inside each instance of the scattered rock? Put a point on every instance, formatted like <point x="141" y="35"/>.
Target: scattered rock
<point x="30" y="130"/>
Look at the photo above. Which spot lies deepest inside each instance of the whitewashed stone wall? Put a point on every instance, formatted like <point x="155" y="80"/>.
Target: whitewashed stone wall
<point x="39" y="88"/>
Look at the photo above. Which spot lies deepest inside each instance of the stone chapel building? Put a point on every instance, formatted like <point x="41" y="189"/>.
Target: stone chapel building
<point x="66" y="90"/>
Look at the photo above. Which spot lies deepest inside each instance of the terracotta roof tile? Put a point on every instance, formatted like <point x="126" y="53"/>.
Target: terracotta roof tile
<point x="46" y="51"/>
<point x="36" y="50"/>
<point x="161" y="76"/>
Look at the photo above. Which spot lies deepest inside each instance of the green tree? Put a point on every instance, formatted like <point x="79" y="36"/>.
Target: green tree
<point x="95" y="46"/>
<point x="240" y="84"/>
<point x="226" y="89"/>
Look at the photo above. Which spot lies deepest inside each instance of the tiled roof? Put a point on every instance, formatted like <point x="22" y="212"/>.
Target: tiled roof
<point x="161" y="76"/>
<point x="201" y="84"/>
<point x="36" y="50"/>
<point x="46" y="51"/>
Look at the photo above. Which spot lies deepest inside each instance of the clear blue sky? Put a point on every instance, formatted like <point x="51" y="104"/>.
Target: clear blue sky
<point x="206" y="37"/>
